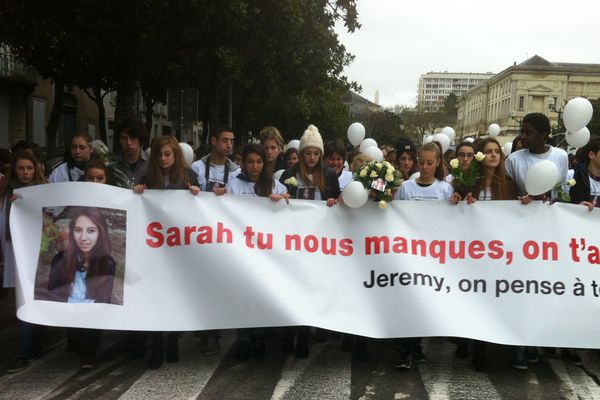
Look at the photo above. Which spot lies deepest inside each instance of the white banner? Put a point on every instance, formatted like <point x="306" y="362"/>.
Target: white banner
<point x="496" y="271"/>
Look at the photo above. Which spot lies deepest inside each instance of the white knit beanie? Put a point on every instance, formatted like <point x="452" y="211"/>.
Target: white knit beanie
<point x="311" y="138"/>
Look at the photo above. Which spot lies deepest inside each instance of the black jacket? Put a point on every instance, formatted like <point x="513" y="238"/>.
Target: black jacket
<point x="581" y="190"/>
<point x="332" y="185"/>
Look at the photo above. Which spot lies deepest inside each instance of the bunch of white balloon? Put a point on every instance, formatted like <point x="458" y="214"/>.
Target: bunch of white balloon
<point x="576" y="115"/>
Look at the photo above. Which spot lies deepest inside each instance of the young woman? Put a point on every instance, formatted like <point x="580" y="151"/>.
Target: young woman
<point x="291" y="157"/>
<point x="96" y="171"/>
<point x="25" y="171"/>
<point x="406" y="159"/>
<point x="76" y="156"/>
<point x="311" y="181"/>
<point x="254" y="180"/>
<point x="430" y="185"/>
<point x="166" y="170"/>
<point x="272" y="141"/>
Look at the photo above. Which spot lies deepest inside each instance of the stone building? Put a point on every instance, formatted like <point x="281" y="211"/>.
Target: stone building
<point x="536" y="85"/>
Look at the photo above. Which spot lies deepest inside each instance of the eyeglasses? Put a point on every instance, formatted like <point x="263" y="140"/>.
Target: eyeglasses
<point x="465" y="155"/>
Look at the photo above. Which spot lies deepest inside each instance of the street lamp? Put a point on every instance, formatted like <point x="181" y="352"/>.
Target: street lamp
<point x="513" y="116"/>
<point x="558" y="130"/>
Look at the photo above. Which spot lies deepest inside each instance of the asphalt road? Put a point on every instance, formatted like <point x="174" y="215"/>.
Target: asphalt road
<point x="328" y="373"/>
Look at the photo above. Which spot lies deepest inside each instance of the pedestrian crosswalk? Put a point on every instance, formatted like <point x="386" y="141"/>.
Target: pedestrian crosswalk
<point x="328" y="373"/>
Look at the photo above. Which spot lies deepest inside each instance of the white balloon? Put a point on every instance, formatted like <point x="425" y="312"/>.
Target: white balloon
<point x="541" y="177"/>
<point x="278" y="174"/>
<point x="355" y="195"/>
<point x="448" y="131"/>
<point x="493" y="130"/>
<point x="427" y="139"/>
<point x="356" y="133"/>
<point x="188" y="153"/>
<point x="416" y="175"/>
<point x="578" y="139"/>
<point x="295" y="144"/>
<point x="469" y="139"/>
<point x="374" y="153"/>
<point x="365" y="144"/>
<point x="443" y="140"/>
<point x="577" y="113"/>
<point x="507" y="148"/>
<point x="346" y="166"/>
<point x="148" y="152"/>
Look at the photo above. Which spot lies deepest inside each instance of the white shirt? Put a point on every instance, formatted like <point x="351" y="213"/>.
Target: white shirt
<point x="519" y="162"/>
<point x="61" y="174"/>
<point x="411" y="190"/>
<point x="239" y="186"/>
<point x="216" y="173"/>
<point x="485" y="194"/>
<point x="595" y="190"/>
<point x="344" y="179"/>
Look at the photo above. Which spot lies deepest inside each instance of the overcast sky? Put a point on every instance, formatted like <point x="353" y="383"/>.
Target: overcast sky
<point x="402" y="39"/>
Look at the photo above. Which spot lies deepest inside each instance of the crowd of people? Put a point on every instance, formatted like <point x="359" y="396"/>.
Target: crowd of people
<point x="314" y="171"/>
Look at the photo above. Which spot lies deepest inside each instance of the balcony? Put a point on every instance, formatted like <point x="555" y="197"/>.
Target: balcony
<point x="14" y="70"/>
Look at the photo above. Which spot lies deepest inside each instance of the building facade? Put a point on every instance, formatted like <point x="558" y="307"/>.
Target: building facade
<point x="536" y="85"/>
<point x="434" y="87"/>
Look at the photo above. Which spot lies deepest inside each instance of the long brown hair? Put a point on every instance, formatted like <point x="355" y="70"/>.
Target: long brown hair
<point x="318" y="174"/>
<point x="177" y="174"/>
<point x="440" y="171"/>
<point x="10" y="181"/>
<point x="502" y="187"/>
<point x="100" y="253"/>
<point x="264" y="185"/>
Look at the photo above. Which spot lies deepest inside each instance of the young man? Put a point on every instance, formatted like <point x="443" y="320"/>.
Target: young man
<point x="535" y="130"/>
<point x="132" y="139"/>
<point x="215" y="169"/>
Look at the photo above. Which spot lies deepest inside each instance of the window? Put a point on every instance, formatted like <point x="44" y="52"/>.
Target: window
<point x="521" y="103"/>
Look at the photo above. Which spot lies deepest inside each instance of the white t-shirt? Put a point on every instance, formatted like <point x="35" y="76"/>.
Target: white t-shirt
<point x="305" y="191"/>
<point x="485" y="194"/>
<point x="411" y="190"/>
<point x="519" y="162"/>
<point x="61" y="174"/>
<point x="344" y="179"/>
<point x="238" y="186"/>
<point x="216" y="174"/>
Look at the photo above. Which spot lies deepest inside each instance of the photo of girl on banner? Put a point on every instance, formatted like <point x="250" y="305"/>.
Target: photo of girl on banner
<point x="82" y="255"/>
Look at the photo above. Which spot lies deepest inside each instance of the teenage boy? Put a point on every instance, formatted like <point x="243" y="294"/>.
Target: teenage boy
<point x="215" y="169"/>
<point x="535" y="131"/>
<point x="132" y="139"/>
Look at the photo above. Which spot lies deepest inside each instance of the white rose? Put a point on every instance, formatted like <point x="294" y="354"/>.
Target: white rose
<point x="363" y="173"/>
<point x="454" y="163"/>
<point x="291" y="181"/>
<point x="389" y="177"/>
<point x="373" y="174"/>
<point x="382" y="204"/>
<point x="379" y="165"/>
<point x="571" y="182"/>
<point x="479" y="156"/>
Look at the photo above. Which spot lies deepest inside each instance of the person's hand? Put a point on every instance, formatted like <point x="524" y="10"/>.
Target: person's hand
<point x="277" y="197"/>
<point x="525" y="199"/>
<point x="219" y="191"/>
<point x="331" y="202"/>
<point x="193" y="189"/>
<point x="455" y="198"/>
<point x="590" y="205"/>
<point x="14" y="197"/>
<point x="139" y="189"/>
<point x="470" y="199"/>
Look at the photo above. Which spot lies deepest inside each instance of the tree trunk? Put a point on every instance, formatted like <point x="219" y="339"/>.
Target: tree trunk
<point x="99" y="99"/>
<point x="52" y="127"/>
<point x="149" y="105"/>
<point x="125" y="100"/>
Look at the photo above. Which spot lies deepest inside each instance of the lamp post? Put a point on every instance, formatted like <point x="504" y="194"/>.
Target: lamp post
<point x="558" y="131"/>
<point x="513" y="116"/>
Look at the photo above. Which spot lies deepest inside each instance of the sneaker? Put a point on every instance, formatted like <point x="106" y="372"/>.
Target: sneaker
<point x="212" y="346"/>
<point x="405" y="361"/>
<point x="519" y="362"/>
<point x="418" y="357"/>
<point x="532" y="355"/>
<point x="18" y="365"/>
<point x="572" y="357"/>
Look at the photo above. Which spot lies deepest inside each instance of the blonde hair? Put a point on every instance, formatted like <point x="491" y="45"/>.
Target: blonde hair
<point x="359" y="160"/>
